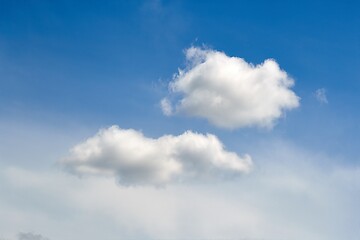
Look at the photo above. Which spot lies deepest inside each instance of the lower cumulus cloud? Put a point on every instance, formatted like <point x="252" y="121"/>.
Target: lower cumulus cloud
<point x="138" y="160"/>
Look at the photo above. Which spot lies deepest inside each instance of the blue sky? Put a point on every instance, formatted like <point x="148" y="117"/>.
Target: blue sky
<point x="68" y="69"/>
<point x="104" y="63"/>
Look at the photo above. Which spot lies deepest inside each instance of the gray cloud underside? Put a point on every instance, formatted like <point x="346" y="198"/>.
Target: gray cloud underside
<point x="138" y="160"/>
<point x="31" y="236"/>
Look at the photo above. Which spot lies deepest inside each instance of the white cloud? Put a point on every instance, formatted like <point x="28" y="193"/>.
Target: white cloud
<point x="320" y="95"/>
<point x="229" y="92"/>
<point x="274" y="202"/>
<point x="137" y="160"/>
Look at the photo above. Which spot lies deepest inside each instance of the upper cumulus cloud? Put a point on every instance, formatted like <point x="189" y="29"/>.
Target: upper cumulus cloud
<point x="138" y="160"/>
<point x="228" y="91"/>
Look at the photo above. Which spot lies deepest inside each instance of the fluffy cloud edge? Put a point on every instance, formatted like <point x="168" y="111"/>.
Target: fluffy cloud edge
<point x="230" y="92"/>
<point x="135" y="159"/>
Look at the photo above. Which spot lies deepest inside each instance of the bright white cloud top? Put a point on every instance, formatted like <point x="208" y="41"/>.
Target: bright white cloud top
<point x="229" y="92"/>
<point x="138" y="160"/>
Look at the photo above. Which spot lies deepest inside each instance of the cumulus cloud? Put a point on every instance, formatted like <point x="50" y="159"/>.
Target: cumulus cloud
<point x="228" y="91"/>
<point x="320" y="95"/>
<point x="138" y="160"/>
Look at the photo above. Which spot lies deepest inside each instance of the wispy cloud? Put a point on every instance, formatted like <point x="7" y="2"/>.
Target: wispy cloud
<point x="320" y="95"/>
<point x="229" y="92"/>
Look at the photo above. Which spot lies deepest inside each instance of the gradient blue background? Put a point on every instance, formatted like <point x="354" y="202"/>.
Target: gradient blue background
<point x="99" y="63"/>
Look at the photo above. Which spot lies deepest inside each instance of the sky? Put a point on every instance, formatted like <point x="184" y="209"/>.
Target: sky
<point x="179" y="120"/>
